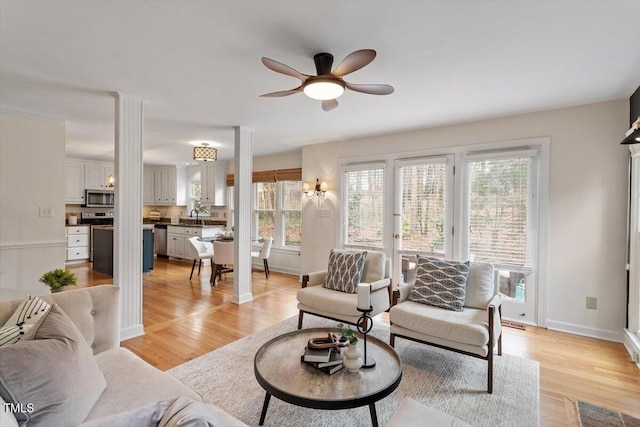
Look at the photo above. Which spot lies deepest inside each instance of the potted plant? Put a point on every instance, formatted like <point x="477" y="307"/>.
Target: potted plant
<point x="347" y="334"/>
<point x="59" y="279"/>
<point x="352" y="356"/>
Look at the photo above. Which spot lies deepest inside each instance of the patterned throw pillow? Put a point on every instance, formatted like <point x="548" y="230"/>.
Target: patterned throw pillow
<point x="440" y="283"/>
<point x="345" y="270"/>
<point x="26" y="315"/>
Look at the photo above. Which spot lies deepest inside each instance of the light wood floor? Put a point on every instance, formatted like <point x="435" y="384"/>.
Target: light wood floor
<point x="184" y="320"/>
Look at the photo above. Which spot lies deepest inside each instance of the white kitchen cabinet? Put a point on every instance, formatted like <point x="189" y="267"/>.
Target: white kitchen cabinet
<point x="170" y="186"/>
<point x="178" y="239"/>
<point x="77" y="242"/>
<point x="74" y="183"/>
<point x="148" y="186"/>
<point x="171" y="245"/>
<point x="180" y="251"/>
<point x="96" y="175"/>
<point x="213" y="181"/>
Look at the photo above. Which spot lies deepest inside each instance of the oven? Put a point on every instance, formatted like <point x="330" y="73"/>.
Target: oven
<point x="92" y="218"/>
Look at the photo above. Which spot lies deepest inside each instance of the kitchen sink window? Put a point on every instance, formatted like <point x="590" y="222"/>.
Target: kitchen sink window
<point x="195" y="204"/>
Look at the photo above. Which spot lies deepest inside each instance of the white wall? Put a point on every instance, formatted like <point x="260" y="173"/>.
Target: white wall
<point x="287" y="160"/>
<point x="32" y="154"/>
<point x="588" y="170"/>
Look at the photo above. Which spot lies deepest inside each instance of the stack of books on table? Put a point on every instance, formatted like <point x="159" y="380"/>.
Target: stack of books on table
<point x="327" y="360"/>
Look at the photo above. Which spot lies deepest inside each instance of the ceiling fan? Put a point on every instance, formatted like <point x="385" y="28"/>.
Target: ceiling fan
<point x="328" y="85"/>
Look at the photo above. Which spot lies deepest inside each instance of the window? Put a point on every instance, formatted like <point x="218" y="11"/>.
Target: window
<point x="466" y="205"/>
<point x="265" y="208"/>
<point x="363" y="197"/>
<point x="292" y="212"/>
<point x="500" y="218"/>
<point x="277" y="209"/>
<point x="195" y="202"/>
<point x="424" y="205"/>
<point x="278" y="212"/>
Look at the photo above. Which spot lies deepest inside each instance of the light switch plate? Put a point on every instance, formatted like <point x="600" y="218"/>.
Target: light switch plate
<point x="46" y="212"/>
<point x="323" y="212"/>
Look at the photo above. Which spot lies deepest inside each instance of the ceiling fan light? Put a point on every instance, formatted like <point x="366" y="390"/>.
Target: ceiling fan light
<point x="324" y="89"/>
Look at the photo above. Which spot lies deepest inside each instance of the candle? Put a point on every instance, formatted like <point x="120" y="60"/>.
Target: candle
<point x="364" y="296"/>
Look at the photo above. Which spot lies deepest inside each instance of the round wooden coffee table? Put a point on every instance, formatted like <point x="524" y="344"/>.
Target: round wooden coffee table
<point x="280" y="372"/>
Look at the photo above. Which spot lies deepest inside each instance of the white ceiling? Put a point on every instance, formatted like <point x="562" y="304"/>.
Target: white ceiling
<point x="197" y="65"/>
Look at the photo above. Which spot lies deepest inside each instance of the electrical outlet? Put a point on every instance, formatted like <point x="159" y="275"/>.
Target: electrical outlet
<point x="592" y="303"/>
<point x="46" y="212"/>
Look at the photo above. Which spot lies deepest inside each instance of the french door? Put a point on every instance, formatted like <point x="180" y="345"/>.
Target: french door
<point x="487" y="211"/>
<point x="423" y="212"/>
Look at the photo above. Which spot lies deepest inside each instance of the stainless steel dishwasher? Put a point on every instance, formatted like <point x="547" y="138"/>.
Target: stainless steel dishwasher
<point x="160" y="240"/>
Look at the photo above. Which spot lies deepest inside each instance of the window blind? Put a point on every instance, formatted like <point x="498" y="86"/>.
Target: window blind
<point x="424" y="203"/>
<point x="499" y="200"/>
<point x="293" y="174"/>
<point x="363" y="195"/>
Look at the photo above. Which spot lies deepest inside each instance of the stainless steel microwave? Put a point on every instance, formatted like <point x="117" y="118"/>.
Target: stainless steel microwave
<point x="103" y="198"/>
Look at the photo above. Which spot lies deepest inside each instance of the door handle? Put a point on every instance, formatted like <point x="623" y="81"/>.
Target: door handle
<point x="396" y="236"/>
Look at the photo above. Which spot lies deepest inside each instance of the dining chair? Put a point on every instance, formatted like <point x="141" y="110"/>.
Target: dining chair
<point x="263" y="254"/>
<point x="222" y="260"/>
<point x="199" y="250"/>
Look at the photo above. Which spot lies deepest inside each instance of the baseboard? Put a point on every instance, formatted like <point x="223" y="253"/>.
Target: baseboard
<point x="632" y="344"/>
<point x="586" y="331"/>
<point x="131" y="332"/>
<point x="259" y="268"/>
<point x="242" y="298"/>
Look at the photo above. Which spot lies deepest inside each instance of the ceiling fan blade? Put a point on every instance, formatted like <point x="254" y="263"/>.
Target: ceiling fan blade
<point x="371" y="89"/>
<point x="279" y="67"/>
<point x="282" y="93"/>
<point x="354" y="61"/>
<point x="329" y="104"/>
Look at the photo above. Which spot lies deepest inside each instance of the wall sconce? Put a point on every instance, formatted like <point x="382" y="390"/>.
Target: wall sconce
<point x="319" y="190"/>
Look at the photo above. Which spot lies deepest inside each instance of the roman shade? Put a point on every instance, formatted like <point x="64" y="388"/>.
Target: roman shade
<point x="274" y="175"/>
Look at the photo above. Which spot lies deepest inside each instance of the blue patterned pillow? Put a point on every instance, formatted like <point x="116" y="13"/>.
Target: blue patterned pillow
<point x="345" y="270"/>
<point x="441" y="283"/>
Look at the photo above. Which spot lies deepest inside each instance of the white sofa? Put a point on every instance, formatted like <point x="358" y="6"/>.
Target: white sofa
<point x="132" y="384"/>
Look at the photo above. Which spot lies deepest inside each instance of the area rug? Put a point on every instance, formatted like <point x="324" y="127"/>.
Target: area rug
<point x="591" y="415"/>
<point x="451" y="382"/>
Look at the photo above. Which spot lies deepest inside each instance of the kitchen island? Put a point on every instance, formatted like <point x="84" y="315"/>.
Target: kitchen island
<point x="103" y="249"/>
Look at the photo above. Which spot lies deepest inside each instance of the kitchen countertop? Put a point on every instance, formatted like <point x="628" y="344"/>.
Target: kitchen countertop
<point x="186" y="222"/>
<point x="110" y="227"/>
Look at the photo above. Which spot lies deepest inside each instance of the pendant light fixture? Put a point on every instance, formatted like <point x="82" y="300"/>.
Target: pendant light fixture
<point x="204" y="153"/>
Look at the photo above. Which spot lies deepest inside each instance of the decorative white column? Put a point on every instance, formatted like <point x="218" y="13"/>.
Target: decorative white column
<point x="127" y="234"/>
<point x="242" y="191"/>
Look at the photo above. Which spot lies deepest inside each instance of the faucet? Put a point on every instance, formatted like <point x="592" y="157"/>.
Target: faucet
<point x="191" y="214"/>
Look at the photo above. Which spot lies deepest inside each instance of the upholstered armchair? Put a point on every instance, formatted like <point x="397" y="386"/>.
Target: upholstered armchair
<point x="473" y="331"/>
<point x="315" y="298"/>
